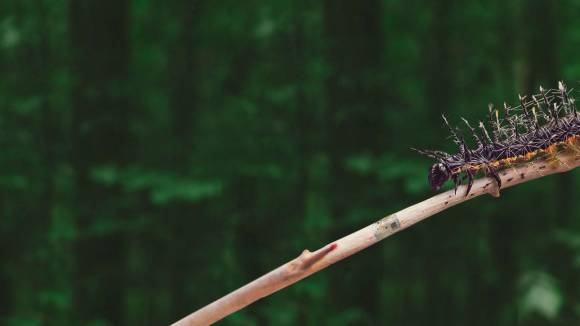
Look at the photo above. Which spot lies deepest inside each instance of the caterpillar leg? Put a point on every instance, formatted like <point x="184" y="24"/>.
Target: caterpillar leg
<point x="491" y="171"/>
<point x="469" y="181"/>
<point x="456" y="181"/>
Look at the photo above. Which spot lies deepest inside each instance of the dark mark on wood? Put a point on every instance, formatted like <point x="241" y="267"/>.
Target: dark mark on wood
<point x="395" y="225"/>
<point x="510" y="179"/>
<point x="446" y="202"/>
<point x="522" y="175"/>
<point x="387" y="226"/>
<point x="542" y="167"/>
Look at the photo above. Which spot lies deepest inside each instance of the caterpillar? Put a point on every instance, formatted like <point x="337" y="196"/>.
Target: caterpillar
<point x="541" y="125"/>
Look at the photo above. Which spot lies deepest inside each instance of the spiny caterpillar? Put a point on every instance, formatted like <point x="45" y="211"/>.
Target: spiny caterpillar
<point x="539" y="126"/>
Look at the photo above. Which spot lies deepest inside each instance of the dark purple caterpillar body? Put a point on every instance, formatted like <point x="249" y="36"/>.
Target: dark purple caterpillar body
<point x="540" y="125"/>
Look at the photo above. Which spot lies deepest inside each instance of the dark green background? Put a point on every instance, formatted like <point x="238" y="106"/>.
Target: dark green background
<point x="155" y="155"/>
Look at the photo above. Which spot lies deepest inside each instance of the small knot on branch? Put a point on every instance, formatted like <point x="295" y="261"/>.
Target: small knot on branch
<point x="308" y="258"/>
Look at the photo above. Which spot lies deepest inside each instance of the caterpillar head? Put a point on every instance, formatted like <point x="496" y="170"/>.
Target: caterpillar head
<point x="438" y="175"/>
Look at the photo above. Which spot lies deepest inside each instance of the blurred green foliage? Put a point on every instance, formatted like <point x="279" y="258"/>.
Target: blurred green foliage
<point x="155" y="155"/>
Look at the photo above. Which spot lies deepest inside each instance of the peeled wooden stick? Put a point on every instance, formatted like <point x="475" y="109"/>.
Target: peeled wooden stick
<point x="310" y="262"/>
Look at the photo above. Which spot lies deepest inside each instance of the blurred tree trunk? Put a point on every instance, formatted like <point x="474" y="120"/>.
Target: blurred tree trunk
<point x="99" y="39"/>
<point x="439" y="58"/>
<point x="355" y="110"/>
<point x="183" y="95"/>
<point x="183" y="74"/>
<point x="57" y="277"/>
<point x="354" y="54"/>
<point x="47" y="131"/>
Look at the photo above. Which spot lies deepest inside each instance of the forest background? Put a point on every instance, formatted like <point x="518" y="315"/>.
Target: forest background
<point x="155" y="155"/>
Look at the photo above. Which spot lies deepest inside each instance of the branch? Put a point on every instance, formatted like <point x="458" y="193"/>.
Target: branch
<point x="310" y="262"/>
